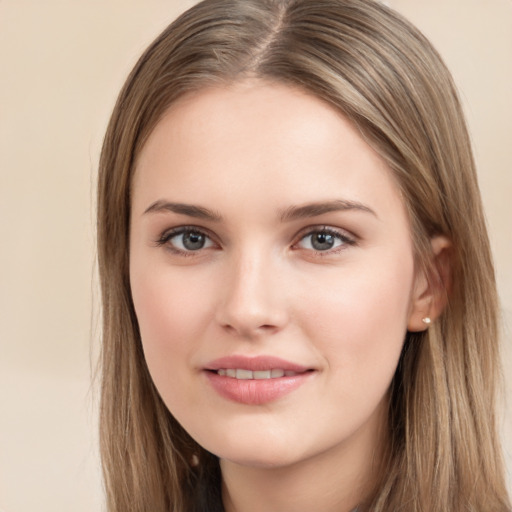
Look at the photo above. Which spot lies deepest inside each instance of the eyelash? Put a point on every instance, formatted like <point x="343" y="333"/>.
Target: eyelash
<point x="339" y="235"/>
<point x="168" y="235"/>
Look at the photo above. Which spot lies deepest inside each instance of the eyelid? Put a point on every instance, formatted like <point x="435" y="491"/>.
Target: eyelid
<point x="348" y="238"/>
<point x="169" y="233"/>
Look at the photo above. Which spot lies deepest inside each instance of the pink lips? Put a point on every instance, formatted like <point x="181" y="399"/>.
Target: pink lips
<point x="255" y="391"/>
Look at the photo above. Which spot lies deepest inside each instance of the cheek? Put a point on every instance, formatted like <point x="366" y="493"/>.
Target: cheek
<point x="360" y="319"/>
<point x="163" y="313"/>
<point x="172" y="312"/>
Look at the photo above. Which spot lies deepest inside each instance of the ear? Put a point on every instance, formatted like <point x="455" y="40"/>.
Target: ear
<point x="430" y="292"/>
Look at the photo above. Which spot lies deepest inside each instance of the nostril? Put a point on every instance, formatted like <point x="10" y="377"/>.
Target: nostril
<point x="251" y="317"/>
<point x="248" y="331"/>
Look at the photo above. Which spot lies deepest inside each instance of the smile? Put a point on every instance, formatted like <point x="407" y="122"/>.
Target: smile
<point x="255" y="380"/>
<point x="243" y="374"/>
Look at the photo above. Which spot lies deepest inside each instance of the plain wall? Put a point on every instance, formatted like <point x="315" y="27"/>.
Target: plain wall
<point x="62" y="64"/>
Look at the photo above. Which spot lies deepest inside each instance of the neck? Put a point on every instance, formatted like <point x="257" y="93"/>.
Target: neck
<point x="337" y="480"/>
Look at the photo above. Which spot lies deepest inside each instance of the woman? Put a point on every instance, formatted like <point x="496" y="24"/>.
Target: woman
<point x="298" y="293"/>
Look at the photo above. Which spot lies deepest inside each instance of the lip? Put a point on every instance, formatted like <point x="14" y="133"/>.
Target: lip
<point x="255" y="363"/>
<point x="256" y="392"/>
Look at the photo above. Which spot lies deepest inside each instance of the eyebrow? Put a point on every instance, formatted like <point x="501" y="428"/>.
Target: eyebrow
<point x="289" y="214"/>
<point x="189" y="210"/>
<point x="320" y="208"/>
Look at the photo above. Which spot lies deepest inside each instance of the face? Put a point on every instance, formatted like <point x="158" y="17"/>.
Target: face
<point x="272" y="274"/>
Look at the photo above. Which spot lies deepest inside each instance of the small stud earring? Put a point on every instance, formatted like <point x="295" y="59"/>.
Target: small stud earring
<point x="426" y="320"/>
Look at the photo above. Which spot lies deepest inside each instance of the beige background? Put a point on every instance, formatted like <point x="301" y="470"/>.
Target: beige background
<point x="62" y="63"/>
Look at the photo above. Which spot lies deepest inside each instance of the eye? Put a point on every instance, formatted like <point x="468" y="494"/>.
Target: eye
<point x="323" y="240"/>
<point x="186" y="240"/>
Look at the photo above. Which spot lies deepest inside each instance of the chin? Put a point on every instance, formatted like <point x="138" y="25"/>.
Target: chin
<point x="255" y="452"/>
<point x="258" y="460"/>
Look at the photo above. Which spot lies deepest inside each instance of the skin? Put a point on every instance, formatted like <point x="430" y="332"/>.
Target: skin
<point x="249" y="153"/>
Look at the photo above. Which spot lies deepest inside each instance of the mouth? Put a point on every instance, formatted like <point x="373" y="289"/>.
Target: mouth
<point x="256" y="380"/>
<point x="243" y="374"/>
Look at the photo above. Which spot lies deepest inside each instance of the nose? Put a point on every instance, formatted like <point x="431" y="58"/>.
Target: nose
<point x="253" y="298"/>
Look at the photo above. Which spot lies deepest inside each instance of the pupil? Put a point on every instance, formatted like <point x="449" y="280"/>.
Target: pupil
<point x="193" y="241"/>
<point x="322" y="241"/>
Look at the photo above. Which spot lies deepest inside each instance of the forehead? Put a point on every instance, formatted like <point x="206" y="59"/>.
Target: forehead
<point x="258" y="142"/>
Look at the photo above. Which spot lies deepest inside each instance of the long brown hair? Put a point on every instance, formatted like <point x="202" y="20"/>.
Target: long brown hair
<point x="383" y="75"/>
